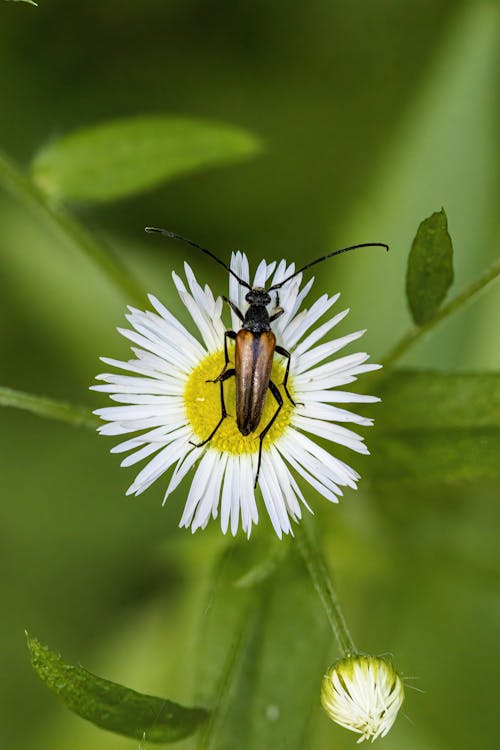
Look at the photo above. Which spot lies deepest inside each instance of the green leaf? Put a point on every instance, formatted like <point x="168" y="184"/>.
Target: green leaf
<point x="263" y="648"/>
<point x="29" y="2"/>
<point x="113" y="706"/>
<point x="294" y="639"/>
<point x="226" y="643"/>
<point x="122" y="157"/>
<point x="437" y="426"/>
<point x="430" y="267"/>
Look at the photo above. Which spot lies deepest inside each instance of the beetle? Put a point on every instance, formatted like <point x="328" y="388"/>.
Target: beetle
<point x="255" y="346"/>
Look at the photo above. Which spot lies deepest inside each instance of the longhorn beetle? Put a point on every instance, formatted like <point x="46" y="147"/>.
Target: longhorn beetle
<point x="254" y="348"/>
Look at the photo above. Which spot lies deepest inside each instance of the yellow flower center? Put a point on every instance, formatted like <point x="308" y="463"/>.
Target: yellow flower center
<point x="203" y="407"/>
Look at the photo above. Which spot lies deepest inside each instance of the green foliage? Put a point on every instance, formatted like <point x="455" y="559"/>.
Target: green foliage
<point x="430" y="267"/>
<point x="48" y="407"/>
<point x="411" y="570"/>
<point x="437" y="426"/>
<point x="293" y="640"/>
<point x="123" y="157"/>
<point x="29" y="2"/>
<point x="113" y="706"/>
<point x="264" y="647"/>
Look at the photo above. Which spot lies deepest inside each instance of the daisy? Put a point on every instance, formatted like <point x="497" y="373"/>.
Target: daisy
<point x="170" y="407"/>
<point x="363" y="694"/>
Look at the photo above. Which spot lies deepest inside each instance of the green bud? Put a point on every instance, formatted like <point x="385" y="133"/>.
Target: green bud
<point x="363" y="694"/>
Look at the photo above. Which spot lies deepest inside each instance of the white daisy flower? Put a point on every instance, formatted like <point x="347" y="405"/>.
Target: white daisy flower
<point x="363" y="694"/>
<point x="167" y="400"/>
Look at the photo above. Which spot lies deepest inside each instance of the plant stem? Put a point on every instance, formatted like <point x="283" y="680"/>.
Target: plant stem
<point x="78" y="416"/>
<point x="21" y="186"/>
<point x="323" y="584"/>
<point x="469" y="294"/>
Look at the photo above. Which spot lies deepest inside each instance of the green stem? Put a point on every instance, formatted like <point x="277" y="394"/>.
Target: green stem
<point x="78" y="416"/>
<point x="468" y="295"/>
<point x="19" y="185"/>
<point x="323" y="584"/>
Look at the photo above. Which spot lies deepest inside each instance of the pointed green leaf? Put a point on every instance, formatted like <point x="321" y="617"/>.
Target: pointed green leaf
<point x="437" y="426"/>
<point x="430" y="267"/>
<point x="29" y="2"/>
<point x="111" y="706"/>
<point x="119" y="158"/>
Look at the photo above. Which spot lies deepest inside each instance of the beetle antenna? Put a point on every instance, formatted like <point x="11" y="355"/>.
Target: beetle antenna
<point x="174" y="236"/>
<point x="325" y="257"/>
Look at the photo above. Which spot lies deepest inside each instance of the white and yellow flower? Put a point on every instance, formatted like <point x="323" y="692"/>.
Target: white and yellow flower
<point x="167" y="402"/>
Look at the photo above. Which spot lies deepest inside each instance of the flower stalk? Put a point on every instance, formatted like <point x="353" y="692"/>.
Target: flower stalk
<point x="78" y="416"/>
<point x="322" y="581"/>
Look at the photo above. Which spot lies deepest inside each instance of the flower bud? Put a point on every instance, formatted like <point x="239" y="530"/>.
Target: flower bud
<point x="363" y="694"/>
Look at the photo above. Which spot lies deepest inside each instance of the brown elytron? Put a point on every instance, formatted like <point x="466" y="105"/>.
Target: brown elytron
<point x="253" y="360"/>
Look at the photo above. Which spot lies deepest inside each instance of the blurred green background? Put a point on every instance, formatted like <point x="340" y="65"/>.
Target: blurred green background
<point x="372" y="116"/>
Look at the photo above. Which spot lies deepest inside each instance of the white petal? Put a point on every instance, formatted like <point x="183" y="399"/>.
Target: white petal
<point x="147" y="399"/>
<point x="332" y="432"/>
<point x="267" y="495"/>
<point x="154" y="436"/>
<point x="338" y="397"/>
<point x="325" y="463"/>
<point x="227" y="490"/>
<point x="158" y="466"/>
<point x="324" y="490"/>
<point x="183" y="466"/>
<point x="209" y="333"/>
<point x="319" y="332"/>
<point x="263" y="272"/>
<point x="239" y="265"/>
<point x="319" y="410"/>
<point x="283" y="477"/>
<point x="210" y="497"/>
<point x="249" y="512"/>
<point x="140" y="412"/>
<point x="126" y="384"/>
<point x="157" y="329"/>
<point x="344" y="365"/>
<point x="165" y="353"/>
<point x="306" y="318"/>
<point x="236" y="491"/>
<point x="140" y="454"/>
<point x="198" y="486"/>
<point x="121" y="428"/>
<point x="317" y="354"/>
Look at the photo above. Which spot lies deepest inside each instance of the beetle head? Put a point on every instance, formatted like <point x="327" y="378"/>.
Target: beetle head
<point x="257" y="296"/>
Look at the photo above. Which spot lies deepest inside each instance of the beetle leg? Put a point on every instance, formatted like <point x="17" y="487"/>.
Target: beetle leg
<point x="285" y="353"/>
<point x="277" y="395"/>
<point x="225" y="376"/>
<point x="278" y="311"/>
<point x="227" y="335"/>
<point x="235" y="309"/>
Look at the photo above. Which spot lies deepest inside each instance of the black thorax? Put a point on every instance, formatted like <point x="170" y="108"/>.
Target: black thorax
<point x="256" y="319"/>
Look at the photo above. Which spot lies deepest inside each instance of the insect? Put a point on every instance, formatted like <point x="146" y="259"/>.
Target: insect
<point x="255" y="346"/>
